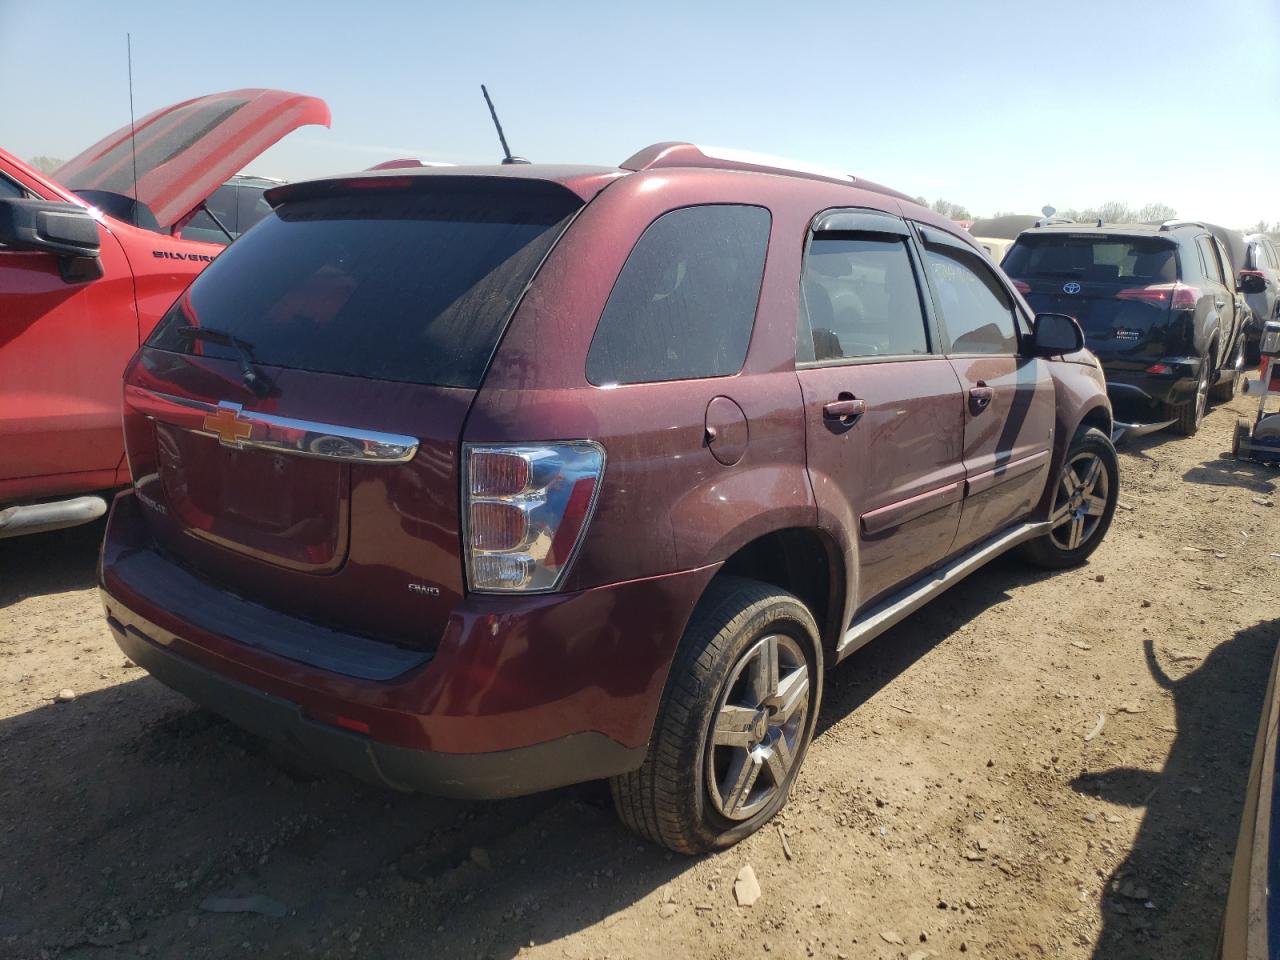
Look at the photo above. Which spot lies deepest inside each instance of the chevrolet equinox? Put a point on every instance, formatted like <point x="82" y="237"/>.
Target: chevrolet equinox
<point x="482" y="481"/>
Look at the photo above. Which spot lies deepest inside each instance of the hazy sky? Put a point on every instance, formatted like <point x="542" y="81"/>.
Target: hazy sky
<point x="999" y="106"/>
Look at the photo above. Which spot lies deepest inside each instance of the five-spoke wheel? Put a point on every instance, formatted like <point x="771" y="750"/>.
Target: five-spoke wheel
<point x="758" y="725"/>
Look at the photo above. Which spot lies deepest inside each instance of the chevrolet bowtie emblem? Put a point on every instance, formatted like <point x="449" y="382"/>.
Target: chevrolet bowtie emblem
<point x="226" y="425"/>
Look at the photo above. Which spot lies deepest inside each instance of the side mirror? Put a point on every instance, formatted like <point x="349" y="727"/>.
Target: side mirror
<point x="1055" y="334"/>
<point x="65" y="230"/>
<point x="1252" y="281"/>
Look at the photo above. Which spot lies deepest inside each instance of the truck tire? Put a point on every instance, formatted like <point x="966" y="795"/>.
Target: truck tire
<point x="734" y="724"/>
<point x="1084" y="500"/>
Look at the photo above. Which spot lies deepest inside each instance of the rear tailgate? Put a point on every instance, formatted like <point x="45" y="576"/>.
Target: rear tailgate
<point x="293" y="423"/>
<point x="1116" y="286"/>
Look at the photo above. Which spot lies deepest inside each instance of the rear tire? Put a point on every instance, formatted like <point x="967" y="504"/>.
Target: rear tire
<point x="735" y="722"/>
<point x="1083" y="503"/>
<point x="1189" y="416"/>
<point x="1226" y="390"/>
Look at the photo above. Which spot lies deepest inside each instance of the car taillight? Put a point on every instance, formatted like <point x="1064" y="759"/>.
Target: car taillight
<point x="1177" y="296"/>
<point x="526" y="507"/>
<point x="1022" y="286"/>
<point x="1158" y="368"/>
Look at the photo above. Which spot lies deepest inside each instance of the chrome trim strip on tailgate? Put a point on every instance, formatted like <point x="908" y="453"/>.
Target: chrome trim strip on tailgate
<point x="233" y="426"/>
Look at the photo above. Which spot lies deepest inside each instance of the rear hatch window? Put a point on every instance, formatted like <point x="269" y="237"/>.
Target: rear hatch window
<point x="1094" y="259"/>
<point x="412" y="287"/>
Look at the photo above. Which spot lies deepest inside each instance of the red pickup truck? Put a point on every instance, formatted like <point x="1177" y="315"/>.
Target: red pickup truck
<point x="89" y="261"/>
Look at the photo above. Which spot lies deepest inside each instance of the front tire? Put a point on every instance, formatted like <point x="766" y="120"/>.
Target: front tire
<point x="1083" y="503"/>
<point x="735" y="722"/>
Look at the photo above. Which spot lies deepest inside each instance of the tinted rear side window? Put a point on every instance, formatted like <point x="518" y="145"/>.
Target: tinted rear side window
<point x="413" y="287"/>
<point x="1092" y="259"/>
<point x="861" y="297"/>
<point x="685" y="302"/>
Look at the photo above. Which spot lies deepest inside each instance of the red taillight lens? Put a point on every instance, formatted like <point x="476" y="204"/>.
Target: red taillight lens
<point x="497" y="526"/>
<point x="1158" y="368"/>
<point x="1022" y="286"/>
<point x="1177" y="296"/>
<point x="495" y="474"/>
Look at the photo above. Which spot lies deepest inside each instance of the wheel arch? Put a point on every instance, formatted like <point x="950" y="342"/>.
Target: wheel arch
<point x="805" y="561"/>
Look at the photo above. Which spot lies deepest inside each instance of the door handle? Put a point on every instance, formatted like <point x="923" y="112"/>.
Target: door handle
<point x="847" y="410"/>
<point x="980" y="397"/>
<point x="1219" y="304"/>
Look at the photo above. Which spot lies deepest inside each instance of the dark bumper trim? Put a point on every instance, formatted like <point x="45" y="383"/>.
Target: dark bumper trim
<point x="507" y="773"/>
<point x="217" y="611"/>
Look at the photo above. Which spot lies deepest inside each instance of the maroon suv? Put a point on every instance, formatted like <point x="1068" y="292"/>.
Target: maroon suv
<point x="486" y="480"/>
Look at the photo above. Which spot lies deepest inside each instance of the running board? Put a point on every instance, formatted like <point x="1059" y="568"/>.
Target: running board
<point x="906" y="602"/>
<point x="1121" y="430"/>
<point x="41" y="517"/>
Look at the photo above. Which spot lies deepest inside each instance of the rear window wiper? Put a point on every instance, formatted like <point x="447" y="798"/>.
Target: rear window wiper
<point x="250" y="373"/>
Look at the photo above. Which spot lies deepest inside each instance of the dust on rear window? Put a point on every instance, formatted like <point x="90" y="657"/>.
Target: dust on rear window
<point x="1093" y="259"/>
<point x="415" y="287"/>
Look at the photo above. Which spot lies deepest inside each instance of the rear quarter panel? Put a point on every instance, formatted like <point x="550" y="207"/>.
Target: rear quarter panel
<point x="666" y="503"/>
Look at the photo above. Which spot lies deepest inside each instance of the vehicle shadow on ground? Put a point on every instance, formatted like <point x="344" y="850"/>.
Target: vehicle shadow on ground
<point x="1181" y="858"/>
<point x="1226" y="471"/>
<point x="45" y="563"/>
<point x="123" y="835"/>
<point x="135" y="806"/>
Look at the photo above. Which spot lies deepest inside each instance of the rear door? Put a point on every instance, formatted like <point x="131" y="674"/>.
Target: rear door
<point x="1008" y="398"/>
<point x="1225" y="302"/>
<point x="883" y="409"/>
<point x="294" y="421"/>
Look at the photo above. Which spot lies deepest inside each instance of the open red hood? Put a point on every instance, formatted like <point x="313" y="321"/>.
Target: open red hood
<point x="186" y="151"/>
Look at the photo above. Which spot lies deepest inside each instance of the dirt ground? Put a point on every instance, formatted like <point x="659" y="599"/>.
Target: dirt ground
<point x="959" y="799"/>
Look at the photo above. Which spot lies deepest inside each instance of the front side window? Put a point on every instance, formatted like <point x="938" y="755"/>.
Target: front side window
<point x="684" y="305"/>
<point x="861" y="299"/>
<point x="976" y="310"/>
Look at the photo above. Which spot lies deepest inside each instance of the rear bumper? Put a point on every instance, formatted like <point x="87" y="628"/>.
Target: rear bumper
<point x="1141" y="396"/>
<point x="502" y="773"/>
<point x="521" y="694"/>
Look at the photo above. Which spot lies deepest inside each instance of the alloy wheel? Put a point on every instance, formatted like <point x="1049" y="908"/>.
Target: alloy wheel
<point x="758" y="727"/>
<point x="1080" y="501"/>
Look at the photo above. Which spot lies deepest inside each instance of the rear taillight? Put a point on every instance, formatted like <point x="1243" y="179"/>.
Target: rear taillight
<point x="1177" y="296"/>
<point x="526" y="507"/>
<point x="1022" y="286"/>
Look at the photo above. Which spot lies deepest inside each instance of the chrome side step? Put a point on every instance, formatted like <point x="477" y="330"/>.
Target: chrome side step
<point x="39" y="517"/>
<point x="1120" y="430"/>
<point x="906" y="602"/>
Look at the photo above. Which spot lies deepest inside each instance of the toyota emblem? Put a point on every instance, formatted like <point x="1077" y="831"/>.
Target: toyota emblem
<point x="1071" y="287"/>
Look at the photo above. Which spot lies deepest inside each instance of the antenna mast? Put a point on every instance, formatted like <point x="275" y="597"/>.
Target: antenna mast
<point x="506" y="151"/>
<point x="133" y="136"/>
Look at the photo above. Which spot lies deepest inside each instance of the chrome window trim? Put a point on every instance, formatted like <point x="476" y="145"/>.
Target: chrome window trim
<point x="266" y="431"/>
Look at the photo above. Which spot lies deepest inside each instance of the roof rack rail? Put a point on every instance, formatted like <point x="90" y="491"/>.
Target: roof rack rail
<point x="1171" y="224"/>
<point x="676" y="153"/>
